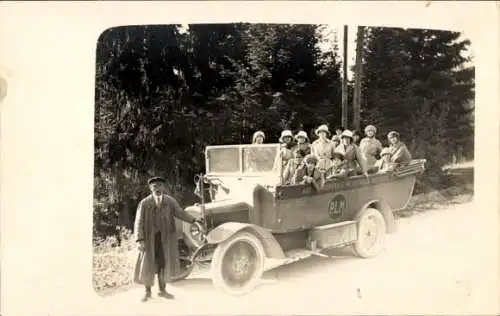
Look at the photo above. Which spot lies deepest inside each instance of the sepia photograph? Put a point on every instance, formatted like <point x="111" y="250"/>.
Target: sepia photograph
<point x="331" y="164"/>
<point x="249" y="158"/>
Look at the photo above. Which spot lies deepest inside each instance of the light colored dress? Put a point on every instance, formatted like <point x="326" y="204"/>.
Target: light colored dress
<point x="370" y="148"/>
<point x="323" y="149"/>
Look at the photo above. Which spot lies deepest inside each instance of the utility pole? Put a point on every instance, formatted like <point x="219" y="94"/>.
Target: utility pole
<point x="344" y="81"/>
<point x="358" y="79"/>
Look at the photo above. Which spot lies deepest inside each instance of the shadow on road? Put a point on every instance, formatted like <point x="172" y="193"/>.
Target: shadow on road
<point x="312" y="264"/>
<point x="199" y="282"/>
<point x="281" y="273"/>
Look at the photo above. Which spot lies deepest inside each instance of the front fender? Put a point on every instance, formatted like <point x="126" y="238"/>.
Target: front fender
<point x="226" y="230"/>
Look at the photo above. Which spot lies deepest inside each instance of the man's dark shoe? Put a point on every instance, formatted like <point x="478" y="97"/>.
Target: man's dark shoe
<point x="166" y="295"/>
<point x="146" y="297"/>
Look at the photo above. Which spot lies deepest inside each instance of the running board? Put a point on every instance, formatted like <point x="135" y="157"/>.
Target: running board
<point x="332" y="235"/>
<point x="292" y="256"/>
<point x="319" y="239"/>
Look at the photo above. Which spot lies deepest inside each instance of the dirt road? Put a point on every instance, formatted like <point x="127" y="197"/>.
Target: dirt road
<point x="428" y="267"/>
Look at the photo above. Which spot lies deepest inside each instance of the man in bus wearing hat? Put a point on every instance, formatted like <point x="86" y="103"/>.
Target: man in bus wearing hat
<point x="155" y="232"/>
<point x="307" y="173"/>
<point x="399" y="152"/>
<point x="339" y="168"/>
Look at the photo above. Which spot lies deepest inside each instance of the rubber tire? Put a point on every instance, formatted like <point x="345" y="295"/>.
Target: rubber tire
<point x="358" y="247"/>
<point x="218" y="256"/>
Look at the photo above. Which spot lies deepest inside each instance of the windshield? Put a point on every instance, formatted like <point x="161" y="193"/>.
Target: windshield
<point x="258" y="159"/>
<point x="253" y="158"/>
<point x="223" y="160"/>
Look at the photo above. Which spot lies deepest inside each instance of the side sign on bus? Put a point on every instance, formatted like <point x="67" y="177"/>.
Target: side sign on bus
<point x="337" y="206"/>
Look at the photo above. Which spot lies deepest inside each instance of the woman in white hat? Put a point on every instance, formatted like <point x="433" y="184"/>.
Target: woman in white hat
<point x="323" y="148"/>
<point x="286" y="140"/>
<point x="353" y="157"/>
<point x="302" y="142"/>
<point x="370" y="146"/>
<point x="258" y="137"/>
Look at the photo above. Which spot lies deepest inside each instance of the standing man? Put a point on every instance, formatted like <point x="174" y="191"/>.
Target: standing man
<point x="155" y="232"/>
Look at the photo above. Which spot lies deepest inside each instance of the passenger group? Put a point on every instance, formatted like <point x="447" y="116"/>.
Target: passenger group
<point x="337" y="156"/>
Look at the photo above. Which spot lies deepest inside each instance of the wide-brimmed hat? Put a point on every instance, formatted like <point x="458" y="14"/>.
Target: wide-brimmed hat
<point x="311" y="159"/>
<point x="346" y="133"/>
<point x="302" y="134"/>
<point x="156" y="179"/>
<point x="285" y="133"/>
<point x="257" y="134"/>
<point x="370" y="128"/>
<point x="336" y="138"/>
<point x="393" y="134"/>
<point x="322" y="128"/>
<point x="386" y="151"/>
<point x="336" y="154"/>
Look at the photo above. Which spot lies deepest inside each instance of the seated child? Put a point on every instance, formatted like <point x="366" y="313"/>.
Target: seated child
<point x="339" y="167"/>
<point x="307" y="173"/>
<point x="384" y="164"/>
<point x="292" y="166"/>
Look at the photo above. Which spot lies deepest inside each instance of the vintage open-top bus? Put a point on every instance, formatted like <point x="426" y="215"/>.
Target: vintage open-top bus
<point x="255" y="222"/>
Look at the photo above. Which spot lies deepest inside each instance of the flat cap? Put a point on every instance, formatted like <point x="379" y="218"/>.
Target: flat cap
<point x="393" y="134"/>
<point x="311" y="159"/>
<point x="338" y="155"/>
<point x="156" y="179"/>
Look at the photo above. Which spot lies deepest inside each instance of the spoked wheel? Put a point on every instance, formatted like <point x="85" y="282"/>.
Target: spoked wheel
<point x="238" y="264"/>
<point x="371" y="233"/>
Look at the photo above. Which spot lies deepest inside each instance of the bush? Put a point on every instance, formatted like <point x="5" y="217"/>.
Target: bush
<point x="113" y="261"/>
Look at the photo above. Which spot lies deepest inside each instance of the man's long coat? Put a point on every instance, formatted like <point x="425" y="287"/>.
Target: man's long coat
<point x="144" y="230"/>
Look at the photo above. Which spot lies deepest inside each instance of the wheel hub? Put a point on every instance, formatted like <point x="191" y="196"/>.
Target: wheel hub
<point x="370" y="232"/>
<point x="240" y="264"/>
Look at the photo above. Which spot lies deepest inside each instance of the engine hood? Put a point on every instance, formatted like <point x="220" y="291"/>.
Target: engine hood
<point x="218" y="207"/>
